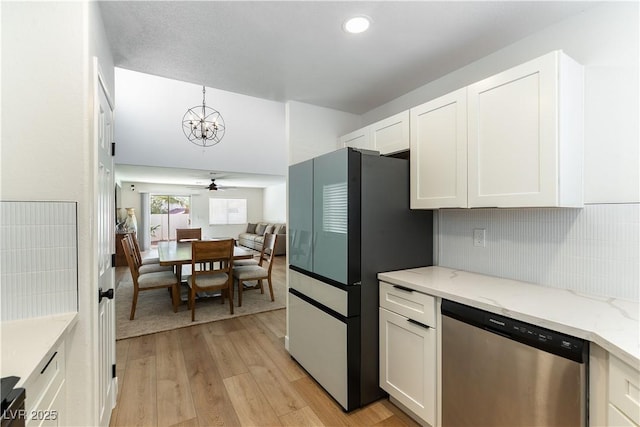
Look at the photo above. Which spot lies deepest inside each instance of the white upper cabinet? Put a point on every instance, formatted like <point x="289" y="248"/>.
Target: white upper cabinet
<point x="388" y="136"/>
<point x="512" y="140"/>
<point x="391" y="135"/>
<point x="439" y="152"/>
<point x="360" y="138"/>
<point x="525" y="136"/>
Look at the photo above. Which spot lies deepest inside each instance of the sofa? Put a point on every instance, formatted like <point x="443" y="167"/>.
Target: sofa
<point x="254" y="236"/>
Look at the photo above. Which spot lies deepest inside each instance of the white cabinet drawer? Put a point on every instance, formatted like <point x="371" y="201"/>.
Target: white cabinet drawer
<point x="624" y="389"/>
<point x="412" y="304"/>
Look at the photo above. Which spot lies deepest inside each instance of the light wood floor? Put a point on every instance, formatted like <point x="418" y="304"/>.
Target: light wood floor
<point x="234" y="372"/>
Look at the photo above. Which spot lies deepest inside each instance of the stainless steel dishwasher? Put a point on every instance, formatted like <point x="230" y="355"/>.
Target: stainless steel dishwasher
<point x="497" y="371"/>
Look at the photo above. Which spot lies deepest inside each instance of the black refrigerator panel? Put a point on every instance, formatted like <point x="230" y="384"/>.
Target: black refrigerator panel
<point x="393" y="237"/>
<point x="301" y="215"/>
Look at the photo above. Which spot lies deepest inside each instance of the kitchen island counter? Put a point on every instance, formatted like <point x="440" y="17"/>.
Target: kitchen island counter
<point x="613" y="324"/>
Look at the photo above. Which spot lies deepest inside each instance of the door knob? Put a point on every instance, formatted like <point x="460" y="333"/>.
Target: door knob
<point x="105" y="294"/>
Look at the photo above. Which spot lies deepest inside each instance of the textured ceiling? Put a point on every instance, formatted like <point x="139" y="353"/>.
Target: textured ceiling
<point x="296" y="50"/>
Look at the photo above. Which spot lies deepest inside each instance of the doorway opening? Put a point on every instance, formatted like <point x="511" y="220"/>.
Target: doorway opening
<point x="168" y="212"/>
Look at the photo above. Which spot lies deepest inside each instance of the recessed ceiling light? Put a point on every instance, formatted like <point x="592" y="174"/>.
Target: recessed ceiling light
<point x="357" y="24"/>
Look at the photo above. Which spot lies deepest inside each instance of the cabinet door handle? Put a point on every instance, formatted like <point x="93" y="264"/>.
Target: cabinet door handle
<point x="415" y="322"/>
<point x="48" y="363"/>
<point x="402" y="288"/>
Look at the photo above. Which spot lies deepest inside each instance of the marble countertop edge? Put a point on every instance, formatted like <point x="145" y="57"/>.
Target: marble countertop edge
<point x="27" y="342"/>
<point x="611" y="323"/>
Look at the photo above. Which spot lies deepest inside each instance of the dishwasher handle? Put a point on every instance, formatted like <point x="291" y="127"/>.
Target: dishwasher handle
<point x="554" y="342"/>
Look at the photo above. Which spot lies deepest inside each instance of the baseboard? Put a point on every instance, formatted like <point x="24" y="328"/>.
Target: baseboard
<point x="286" y="342"/>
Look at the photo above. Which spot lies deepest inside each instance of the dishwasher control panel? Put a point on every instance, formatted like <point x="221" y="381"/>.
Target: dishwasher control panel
<point x="545" y="339"/>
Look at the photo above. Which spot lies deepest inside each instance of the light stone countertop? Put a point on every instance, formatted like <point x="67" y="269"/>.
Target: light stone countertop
<point x="27" y="342"/>
<point x="613" y="324"/>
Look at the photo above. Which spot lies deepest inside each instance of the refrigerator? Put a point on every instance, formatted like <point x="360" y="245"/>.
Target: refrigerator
<point x="349" y="219"/>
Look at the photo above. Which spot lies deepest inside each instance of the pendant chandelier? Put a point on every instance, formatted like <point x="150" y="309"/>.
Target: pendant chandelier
<point x="203" y="125"/>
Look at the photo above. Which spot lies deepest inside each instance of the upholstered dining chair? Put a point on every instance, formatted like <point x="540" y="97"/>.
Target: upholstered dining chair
<point x="145" y="265"/>
<point x="259" y="272"/>
<point x="187" y="234"/>
<point x="149" y="281"/>
<point x="215" y="258"/>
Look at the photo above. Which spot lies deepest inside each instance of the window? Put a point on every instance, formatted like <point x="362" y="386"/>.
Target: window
<point x="227" y="211"/>
<point x="168" y="212"/>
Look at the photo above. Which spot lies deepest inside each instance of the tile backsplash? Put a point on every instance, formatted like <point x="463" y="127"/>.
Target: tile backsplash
<point x="38" y="259"/>
<point x="593" y="250"/>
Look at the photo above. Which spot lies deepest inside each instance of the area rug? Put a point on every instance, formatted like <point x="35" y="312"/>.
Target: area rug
<point x="154" y="312"/>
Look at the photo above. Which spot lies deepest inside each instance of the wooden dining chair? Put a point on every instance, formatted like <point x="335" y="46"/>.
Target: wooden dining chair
<point x="136" y="247"/>
<point x="187" y="234"/>
<point x="149" y="281"/>
<point x="144" y="265"/>
<point x="215" y="261"/>
<point x="259" y="272"/>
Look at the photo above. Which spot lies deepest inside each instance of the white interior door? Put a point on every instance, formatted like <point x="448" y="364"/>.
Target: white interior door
<point x="105" y="222"/>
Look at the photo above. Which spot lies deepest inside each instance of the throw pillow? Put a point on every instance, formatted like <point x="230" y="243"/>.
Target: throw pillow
<point x="268" y="229"/>
<point x="283" y="229"/>
<point x="251" y="228"/>
<point x="260" y="228"/>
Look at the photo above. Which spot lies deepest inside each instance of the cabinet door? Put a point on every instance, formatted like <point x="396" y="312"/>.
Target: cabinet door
<point x="408" y="363"/>
<point x="391" y="135"/>
<point x="360" y="138"/>
<point x="301" y="214"/>
<point x="439" y="152"/>
<point x="331" y="215"/>
<point x="617" y="418"/>
<point x="515" y="135"/>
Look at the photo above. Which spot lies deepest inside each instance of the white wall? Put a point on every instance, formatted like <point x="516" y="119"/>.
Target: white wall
<point x="200" y="205"/>
<point x="595" y="250"/>
<point x="47" y="81"/>
<point x="605" y="39"/>
<point x="312" y="130"/>
<point x="274" y="205"/>
<point x="149" y="132"/>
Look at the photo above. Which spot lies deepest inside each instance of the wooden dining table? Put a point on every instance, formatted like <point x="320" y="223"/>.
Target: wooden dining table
<point x="178" y="254"/>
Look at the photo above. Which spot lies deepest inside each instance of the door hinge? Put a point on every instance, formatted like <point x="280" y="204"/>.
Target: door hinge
<point x="113" y="370"/>
<point x="113" y="148"/>
<point x="113" y="260"/>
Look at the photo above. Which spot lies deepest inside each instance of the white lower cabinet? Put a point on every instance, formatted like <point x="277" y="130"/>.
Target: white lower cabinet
<point x="624" y="394"/>
<point x="45" y="399"/>
<point x="408" y="357"/>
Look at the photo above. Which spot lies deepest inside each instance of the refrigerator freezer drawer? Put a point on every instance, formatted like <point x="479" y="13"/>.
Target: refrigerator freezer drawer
<point x="318" y="341"/>
<point x="334" y="298"/>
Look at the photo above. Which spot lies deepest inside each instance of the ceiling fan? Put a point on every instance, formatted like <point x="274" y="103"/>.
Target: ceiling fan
<point x="213" y="186"/>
